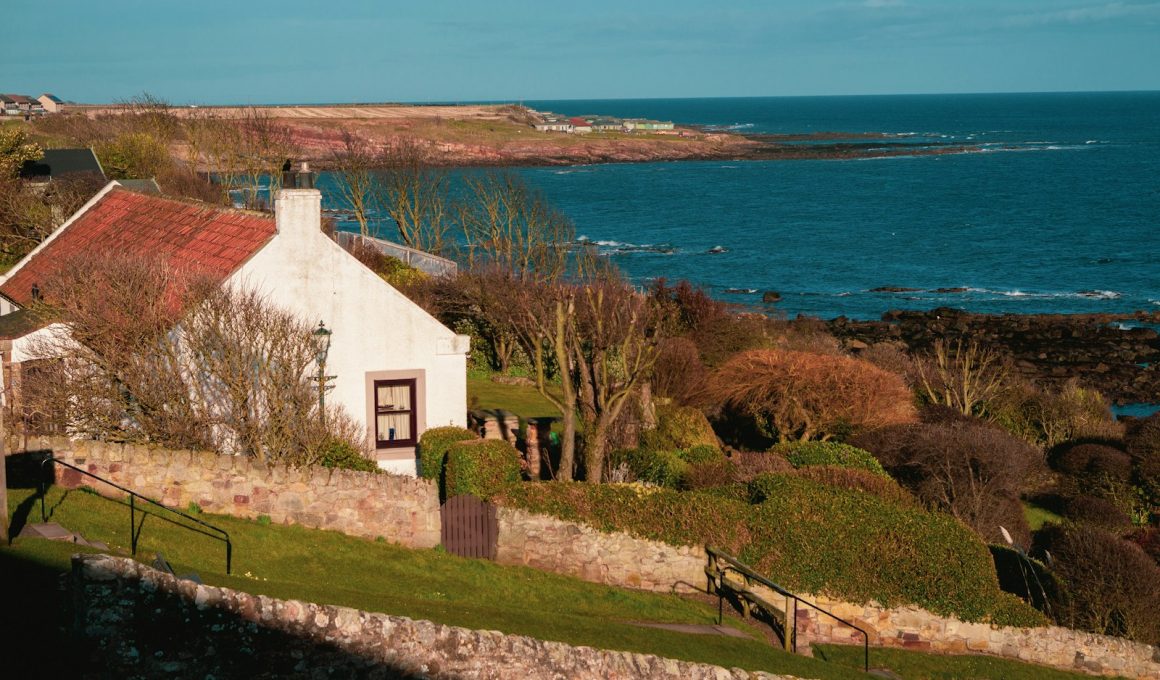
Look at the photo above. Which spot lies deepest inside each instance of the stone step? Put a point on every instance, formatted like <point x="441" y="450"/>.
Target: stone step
<point x="54" y="532"/>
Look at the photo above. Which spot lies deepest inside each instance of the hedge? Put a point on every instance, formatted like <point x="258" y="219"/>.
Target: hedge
<point x="665" y="467"/>
<point x="802" y="454"/>
<point x="480" y="468"/>
<point x="679" y="427"/>
<point x="433" y="447"/>
<point x="807" y="537"/>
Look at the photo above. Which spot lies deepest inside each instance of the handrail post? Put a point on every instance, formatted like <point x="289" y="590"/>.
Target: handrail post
<point x="133" y="523"/>
<point x="229" y="554"/>
<point x="795" y="602"/>
<point x="790" y="630"/>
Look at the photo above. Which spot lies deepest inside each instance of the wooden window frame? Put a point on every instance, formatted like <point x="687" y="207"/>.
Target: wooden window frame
<point x="412" y="384"/>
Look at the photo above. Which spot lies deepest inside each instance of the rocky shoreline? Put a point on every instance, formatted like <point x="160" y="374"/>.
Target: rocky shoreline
<point x="1113" y="353"/>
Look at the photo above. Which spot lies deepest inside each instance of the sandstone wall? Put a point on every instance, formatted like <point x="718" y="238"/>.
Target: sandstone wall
<point x="616" y="559"/>
<point x="139" y="622"/>
<point x="403" y="510"/>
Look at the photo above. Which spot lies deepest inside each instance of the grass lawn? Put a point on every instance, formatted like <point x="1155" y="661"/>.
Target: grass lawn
<point x="522" y="400"/>
<point x="921" y="666"/>
<point x="293" y="562"/>
<point x="1038" y="516"/>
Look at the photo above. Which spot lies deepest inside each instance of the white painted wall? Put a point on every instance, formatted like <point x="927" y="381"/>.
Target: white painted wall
<point x="375" y="327"/>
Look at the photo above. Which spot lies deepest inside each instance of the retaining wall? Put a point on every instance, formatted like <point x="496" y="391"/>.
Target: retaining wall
<point x="139" y="622"/>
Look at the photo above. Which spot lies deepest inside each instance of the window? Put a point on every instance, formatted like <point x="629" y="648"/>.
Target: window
<point x="395" y="406"/>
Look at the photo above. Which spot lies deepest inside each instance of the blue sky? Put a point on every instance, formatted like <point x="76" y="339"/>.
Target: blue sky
<point x="361" y="50"/>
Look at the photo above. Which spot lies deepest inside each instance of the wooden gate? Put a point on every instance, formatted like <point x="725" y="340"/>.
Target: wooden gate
<point x="469" y="527"/>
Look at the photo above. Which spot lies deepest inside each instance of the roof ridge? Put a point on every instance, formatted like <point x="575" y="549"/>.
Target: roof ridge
<point x="245" y="212"/>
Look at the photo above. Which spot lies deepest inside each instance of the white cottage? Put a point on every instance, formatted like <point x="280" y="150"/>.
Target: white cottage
<point x="396" y="368"/>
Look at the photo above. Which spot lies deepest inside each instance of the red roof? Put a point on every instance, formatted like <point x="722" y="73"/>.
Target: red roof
<point x="212" y="240"/>
<point x="579" y="122"/>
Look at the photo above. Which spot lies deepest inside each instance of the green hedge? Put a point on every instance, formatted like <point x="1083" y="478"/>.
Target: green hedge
<point x="665" y="467"/>
<point x="337" y="453"/>
<point x="808" y="537"/>
<point x="433" y="447"/>
<point x="801" y="454"/>
<point x="481" y="468"/>
<point x="678" y="427"/>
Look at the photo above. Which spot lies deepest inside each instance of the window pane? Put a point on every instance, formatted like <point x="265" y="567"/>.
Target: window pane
<point x="394" y="426"/>
<point x="393" y="397"/>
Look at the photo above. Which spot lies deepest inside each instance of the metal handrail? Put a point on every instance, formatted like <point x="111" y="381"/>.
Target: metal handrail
<point x="749" y="573"/>
<point x="133" y="495"/>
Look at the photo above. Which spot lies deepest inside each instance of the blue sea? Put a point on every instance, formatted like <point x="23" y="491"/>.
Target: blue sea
<point x="1058" y="212"/>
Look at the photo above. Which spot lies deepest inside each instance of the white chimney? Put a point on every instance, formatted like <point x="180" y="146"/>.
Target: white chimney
<point x="298" y="212"/>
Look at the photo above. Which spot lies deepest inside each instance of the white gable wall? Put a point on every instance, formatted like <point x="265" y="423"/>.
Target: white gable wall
<point x="377" y="332"/>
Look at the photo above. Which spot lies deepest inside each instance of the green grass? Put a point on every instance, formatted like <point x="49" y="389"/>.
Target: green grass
<point x="524" y="401"/>
<point x="923" y="666"/>
<point x="293" y="562"/>
<point x="1038" y="516"/>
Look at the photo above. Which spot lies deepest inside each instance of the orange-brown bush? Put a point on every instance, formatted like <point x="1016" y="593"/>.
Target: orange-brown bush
<point x="801" y="395"/>
<point x="678" y="373"/>
<point x="750" y="464"/>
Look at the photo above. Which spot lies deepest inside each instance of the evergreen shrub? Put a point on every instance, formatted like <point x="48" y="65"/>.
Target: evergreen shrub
<point x="481" y="468"/>
<point x="433" y="445"/>
<point x="806" y="536"/>
<point x="338" y="453"/>
<point x="803" y="454"/>
<point x="679" y="427"/>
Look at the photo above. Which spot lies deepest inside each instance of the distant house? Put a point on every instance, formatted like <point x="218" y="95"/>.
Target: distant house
<point x="51" y="103"/>
<point x="580" y="126"/>
<point x="397" y="370"/>
<point x="59" y="162"/>
<point x="553" y="125"/>
<point x="8" y="106"/>
<point x="606" y="124"/>
<point x="647" y="125"/>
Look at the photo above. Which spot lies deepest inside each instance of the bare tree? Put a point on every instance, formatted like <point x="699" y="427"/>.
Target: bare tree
<point x="358" y="185"/>
<point x="415" y="195"/>
<point x="161" y="355"/>
<point x="266" y="145"/>
<point x="507" y="224"/>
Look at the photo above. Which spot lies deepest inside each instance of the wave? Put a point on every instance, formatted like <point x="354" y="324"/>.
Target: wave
<point x="620" y="247"/>
<point x="731" y="126"/>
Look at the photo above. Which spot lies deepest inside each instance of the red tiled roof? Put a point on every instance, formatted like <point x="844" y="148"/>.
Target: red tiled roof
<point x="215" y="241"/>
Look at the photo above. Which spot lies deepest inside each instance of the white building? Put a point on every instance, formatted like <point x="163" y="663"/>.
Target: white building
<point x="397" y="369"/>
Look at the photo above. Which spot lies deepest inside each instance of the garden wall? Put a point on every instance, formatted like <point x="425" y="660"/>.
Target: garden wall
<point x="400" y="509"/>
<point x="139" y="622"/>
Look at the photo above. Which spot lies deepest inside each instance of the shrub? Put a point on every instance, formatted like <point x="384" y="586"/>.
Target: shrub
<point x="679" y="427"/>
<point x="1110" y="584"/>
<point x="802" y="454"/>
<point x="701" y="454"/>
<point x="481" y="468"/>
<point x="1144" y="447"/>
<point x="801" y="395"/>
<point x="338" y="453"/>
<point x="1148" y="538"/>
<point x="880" y="485"/>
<point x="1044" y="417"/>
<point x="433" y="445"/>
<point x="750" y="464"/>
<point x="821" y="539"/>
<point x="807" y="537"/>
<point x="1095" y="511"/>
<point x="711" y="474"/>
<point x="1094" y="460"/>
<point x="678" y="372"/>
<point x="973" y="470"/>
<point x="663" y="468"/>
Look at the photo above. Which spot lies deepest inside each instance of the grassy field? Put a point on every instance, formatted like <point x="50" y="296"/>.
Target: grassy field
<point x="524" y="401"/>
<point x="1037" y="516"/>
<point x="939" y="666"/>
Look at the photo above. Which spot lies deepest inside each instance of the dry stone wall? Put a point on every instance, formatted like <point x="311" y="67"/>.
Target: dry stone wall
<point x="400" y="509"/>
<point x="139" y="622"/>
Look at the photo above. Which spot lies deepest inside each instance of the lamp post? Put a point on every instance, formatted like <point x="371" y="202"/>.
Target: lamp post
<point x="321" y="337"/>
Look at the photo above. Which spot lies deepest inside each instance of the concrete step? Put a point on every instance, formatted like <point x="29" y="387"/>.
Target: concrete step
<point x="54" y="532"/>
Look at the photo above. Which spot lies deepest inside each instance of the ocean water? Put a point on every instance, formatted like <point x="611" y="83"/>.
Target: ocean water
<point x="1058" y="213"/>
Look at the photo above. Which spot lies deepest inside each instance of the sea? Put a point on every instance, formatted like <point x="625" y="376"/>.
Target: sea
<point x="1055" y="210"/>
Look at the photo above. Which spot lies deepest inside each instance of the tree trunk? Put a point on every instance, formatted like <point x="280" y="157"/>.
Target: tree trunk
<point x="595" y="445"/>
<point x="568" y="389"/>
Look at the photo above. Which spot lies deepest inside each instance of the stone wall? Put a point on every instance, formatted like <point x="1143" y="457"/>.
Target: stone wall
<point x="619" y="559"/>
<point x="616" y="559"/>
<point x="139" y="622"/>
<point x="400" y="509"/>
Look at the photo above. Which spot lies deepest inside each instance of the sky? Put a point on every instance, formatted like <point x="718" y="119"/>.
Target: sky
<point x="318" y="51"/>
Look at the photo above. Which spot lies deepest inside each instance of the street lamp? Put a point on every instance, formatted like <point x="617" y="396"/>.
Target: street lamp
<point x="321" y="338"/>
